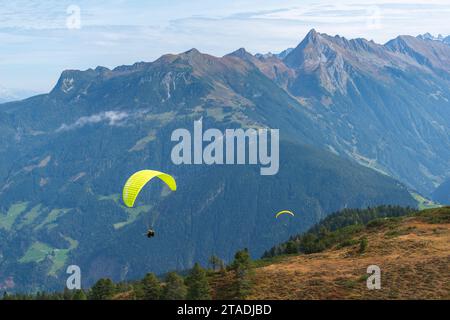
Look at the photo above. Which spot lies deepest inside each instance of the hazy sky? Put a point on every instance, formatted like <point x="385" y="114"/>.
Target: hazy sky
<point x="39" y="39"/>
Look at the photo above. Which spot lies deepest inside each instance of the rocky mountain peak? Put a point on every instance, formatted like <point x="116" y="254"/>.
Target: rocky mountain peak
<point x="308" y="53"/>
<point x="434" y="55"/>
<point x="241" y="53"/>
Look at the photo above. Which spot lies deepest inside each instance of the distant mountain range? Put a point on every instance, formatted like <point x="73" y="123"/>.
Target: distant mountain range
<point x="440" y="37"/>
<point x="361" y="124"/>
<point x="7" y="95"/>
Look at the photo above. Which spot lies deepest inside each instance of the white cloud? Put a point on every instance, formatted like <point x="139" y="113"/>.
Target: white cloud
<point x="111" y="117"/>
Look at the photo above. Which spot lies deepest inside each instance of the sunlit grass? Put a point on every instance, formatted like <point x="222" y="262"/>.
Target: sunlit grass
<point x="8" y="220"/>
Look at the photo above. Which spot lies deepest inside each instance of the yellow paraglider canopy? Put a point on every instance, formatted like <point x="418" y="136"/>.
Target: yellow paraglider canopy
<point x="137" y="181"/>
<point x="284" y="212"/>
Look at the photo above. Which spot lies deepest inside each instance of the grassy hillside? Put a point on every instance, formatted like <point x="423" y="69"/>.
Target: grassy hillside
<point x="413" y="253"/>
<point x="410" y="247"/>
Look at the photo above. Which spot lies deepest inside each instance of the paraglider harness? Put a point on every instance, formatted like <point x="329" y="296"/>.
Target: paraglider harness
<point x="150" y="233"/>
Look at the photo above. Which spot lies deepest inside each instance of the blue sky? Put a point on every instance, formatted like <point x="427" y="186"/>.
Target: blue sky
<point x="39" y="39"/>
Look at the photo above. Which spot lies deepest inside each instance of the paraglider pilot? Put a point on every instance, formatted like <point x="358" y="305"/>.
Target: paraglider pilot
<point x="137" y="181"/>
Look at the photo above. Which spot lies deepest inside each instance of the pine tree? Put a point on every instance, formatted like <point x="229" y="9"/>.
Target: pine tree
<point x="103" y="289"/>
<point x="198" y="285"/>
<point x="216" y="263"/>
<point x="79" y="295"/>
<point x="175" y="288"/>
<point x="151" y="287"/>
<point x="242" y="269"/>
<point x="291" y="247"/>
<point x="363" y="245"/>
<point x="67" y="294"/>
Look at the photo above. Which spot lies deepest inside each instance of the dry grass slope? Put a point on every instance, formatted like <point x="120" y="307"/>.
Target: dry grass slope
<point x="413" y="254"/>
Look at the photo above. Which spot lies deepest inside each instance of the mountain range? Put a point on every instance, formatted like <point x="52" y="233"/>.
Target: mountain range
<point x="7" y="95"/>
<point x="361" y="124"/>
<point x="440" y="37"/>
